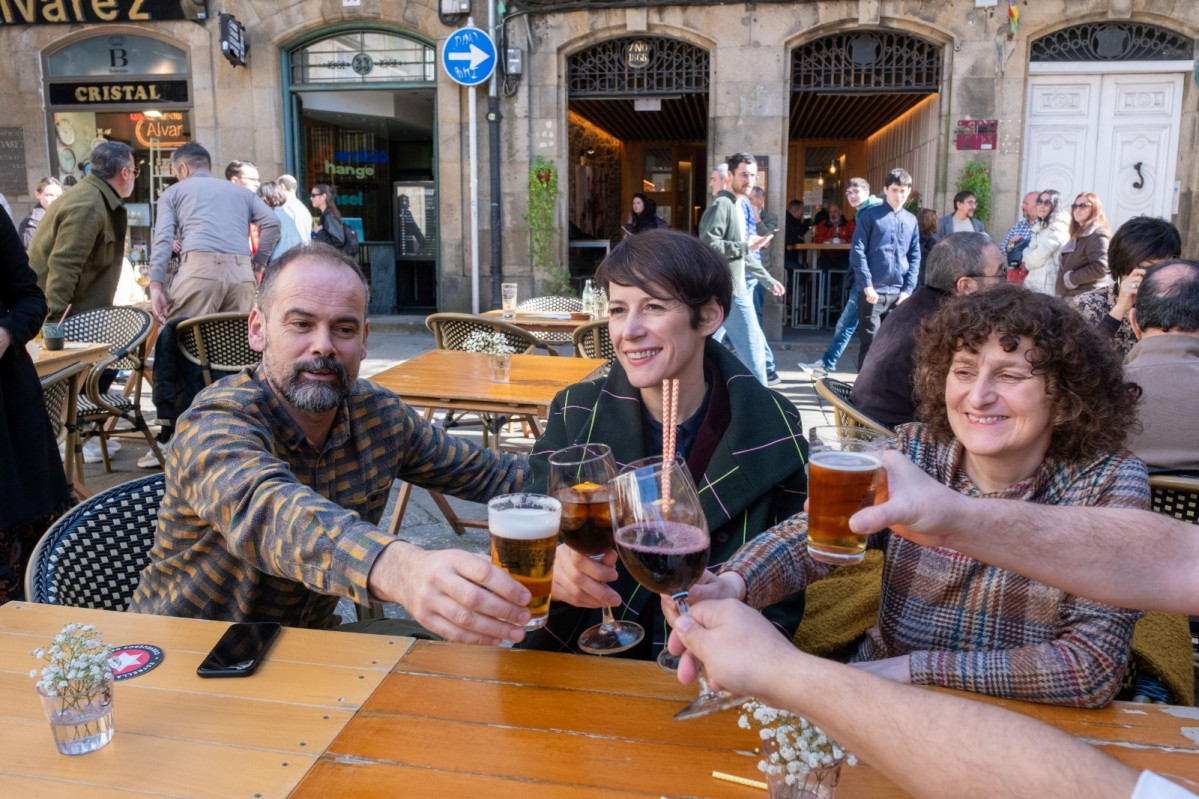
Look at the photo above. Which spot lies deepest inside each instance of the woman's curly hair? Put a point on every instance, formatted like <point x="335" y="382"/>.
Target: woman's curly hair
<point x="1094" y="408"/>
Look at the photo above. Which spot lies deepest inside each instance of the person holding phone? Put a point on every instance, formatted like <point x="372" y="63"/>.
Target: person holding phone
<point x="277" y="479"/>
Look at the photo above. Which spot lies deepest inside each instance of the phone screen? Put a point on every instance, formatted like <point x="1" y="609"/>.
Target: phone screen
<point x="240" y="649"/>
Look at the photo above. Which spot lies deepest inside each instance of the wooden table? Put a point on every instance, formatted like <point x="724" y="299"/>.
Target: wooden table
<point x="458" y="381"/>
<point x="472" y="721"/>
<point x="337" y="714"/>
<point x="178" y="734"/>
<point x="543" y="321"/>
<point x="50" y="361"/>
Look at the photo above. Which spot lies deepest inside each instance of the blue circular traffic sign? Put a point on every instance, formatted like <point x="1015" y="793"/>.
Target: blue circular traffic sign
<point x="468" y="56"/>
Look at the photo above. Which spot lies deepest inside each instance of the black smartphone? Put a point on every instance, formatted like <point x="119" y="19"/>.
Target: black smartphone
<point x="240" y="649"/>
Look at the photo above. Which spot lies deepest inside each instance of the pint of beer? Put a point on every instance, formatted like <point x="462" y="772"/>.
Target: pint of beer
<point x="843" y="470"/>
<point x="524" y="537"/>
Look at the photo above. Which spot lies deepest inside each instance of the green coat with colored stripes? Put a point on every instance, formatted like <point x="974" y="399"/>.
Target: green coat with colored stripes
<point x="755" y="479"/>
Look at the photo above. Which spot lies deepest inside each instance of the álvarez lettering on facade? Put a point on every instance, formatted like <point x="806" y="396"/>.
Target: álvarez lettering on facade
<point x="75" y="12"/>
<point x="97" y="93"/>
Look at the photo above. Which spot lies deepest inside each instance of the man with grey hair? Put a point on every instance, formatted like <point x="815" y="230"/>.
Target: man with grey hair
<point x="80" y="244"/>
<point x="961" y="263"/>
<point x="1165" y="364"/>
<point x="278" y="477"/>
<point x="293" y="207"/>
<point x="212" y="218"/>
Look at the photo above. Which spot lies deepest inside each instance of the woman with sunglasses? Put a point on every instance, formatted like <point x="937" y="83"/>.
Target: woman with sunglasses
<point x="1084" y="256"/>
<point x="1050" y="232"/>
<point x="330" y="228"/>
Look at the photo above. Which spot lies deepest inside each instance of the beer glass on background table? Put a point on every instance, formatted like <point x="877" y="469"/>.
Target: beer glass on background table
<point x="578" y="478"/>
<point x="662" y="539"/>
<point x="524" y="538"/>
<point x="843" y="474"/>
<point x="508" y="299"/>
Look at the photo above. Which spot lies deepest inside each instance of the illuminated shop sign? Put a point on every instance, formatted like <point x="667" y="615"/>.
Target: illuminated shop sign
<point x="164" y="130"/>
<point x="97" y="93"/>
<point x="75" y="12"/>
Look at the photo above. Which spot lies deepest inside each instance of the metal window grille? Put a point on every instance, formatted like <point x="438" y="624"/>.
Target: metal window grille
<point x="1113" y="41"/>
<point x="638" y="66"/>
<point x="363" y="57"/>
<point x="866" y="61"/>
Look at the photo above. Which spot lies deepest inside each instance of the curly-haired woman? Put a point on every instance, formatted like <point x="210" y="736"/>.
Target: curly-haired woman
<point x="1021" y="399"/>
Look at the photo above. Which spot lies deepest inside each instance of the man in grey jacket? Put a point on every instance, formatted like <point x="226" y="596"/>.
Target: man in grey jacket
<point x="723" y="228"/>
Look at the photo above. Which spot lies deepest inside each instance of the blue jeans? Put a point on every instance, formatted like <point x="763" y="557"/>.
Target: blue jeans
<point x="847" y="323"/>
<point x="741" y="328"/>
<point x="759" y="294"/>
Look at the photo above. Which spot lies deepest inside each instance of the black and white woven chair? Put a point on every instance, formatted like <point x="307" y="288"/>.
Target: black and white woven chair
<point x="217" y="342"/>
<point x="125" y="330"/>
<point x="552" y="304"/>
<point x="846" y="413"/>
<point x="92" y="557"/>
<point x="593" y="341"/>
<point x="62" y="407"/>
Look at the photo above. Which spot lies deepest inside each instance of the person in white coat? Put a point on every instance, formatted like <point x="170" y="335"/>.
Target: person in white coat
<point x="1050" y="232"/>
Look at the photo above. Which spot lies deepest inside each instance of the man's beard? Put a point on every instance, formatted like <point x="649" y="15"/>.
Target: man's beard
<point x="313" y="396"/>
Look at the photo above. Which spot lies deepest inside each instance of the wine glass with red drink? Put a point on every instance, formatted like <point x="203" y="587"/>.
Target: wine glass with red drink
<point x="662" y="539"/>
<point x="578" y="478"/>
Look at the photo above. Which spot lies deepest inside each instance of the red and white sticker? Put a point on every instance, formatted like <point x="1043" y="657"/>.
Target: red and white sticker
<point x="133" y="660"/>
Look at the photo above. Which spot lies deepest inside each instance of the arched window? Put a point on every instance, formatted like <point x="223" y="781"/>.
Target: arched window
<point x="363" y="57"/>
<point x="1112" y="41"/>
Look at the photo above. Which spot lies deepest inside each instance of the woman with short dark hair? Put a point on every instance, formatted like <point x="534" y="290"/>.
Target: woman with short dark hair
<point x="48" y="190"/>
<point x="668" y="293"/>
<point x="1019" y="398"/>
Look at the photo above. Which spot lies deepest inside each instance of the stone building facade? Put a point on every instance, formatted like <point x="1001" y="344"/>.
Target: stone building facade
<point x="1088" y="95"/>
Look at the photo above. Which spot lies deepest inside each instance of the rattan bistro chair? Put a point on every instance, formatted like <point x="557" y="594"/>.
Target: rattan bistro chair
<point x="1176" y="495"/>
<point x="593" y="341"/>
<point x="125" y="329"/>
<point x="217" y="343"/>
<point x="62" y="407"/>
<point x="552" y="304"/>
<point x="847" y="414"/>
<point x="92" y="557"/>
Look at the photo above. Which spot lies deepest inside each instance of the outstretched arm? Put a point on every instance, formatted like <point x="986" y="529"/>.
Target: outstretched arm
<point x="1081" y="550"/>
<point x="924" y="741"/>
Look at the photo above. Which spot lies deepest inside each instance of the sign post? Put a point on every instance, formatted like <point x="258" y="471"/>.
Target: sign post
<point x="469" y="57"/>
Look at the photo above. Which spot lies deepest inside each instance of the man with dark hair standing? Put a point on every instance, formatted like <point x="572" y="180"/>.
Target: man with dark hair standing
<point x="723" y="228"/>
<point x="244" y="174"/>
<point x="212" y="219"/>
<point x="79" y="245"/>
<point x="884" y="257"/>
<point x="1165" y="364"/>
<point x="278" y="477"/>
<point x="961" y="263"/>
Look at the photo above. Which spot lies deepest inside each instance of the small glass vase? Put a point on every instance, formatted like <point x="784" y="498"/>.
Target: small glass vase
<point x="816" y="783"/>
<point x="81" y="723"/>
<point x="500" y="367"/>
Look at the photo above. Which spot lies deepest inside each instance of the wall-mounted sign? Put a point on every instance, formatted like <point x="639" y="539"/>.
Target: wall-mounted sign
<point x="97" y="93"/>
<point x="76" y="12"/>
<point x="977" y="134"/>
<point x="165" y="129"/>
<point x="12" y="162"/>
<point x="234" y="45"/>
<point x="637" y="54"/>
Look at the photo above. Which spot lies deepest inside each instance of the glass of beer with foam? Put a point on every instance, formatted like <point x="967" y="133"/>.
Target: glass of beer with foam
<point x="843" y="474"/>
<point x="524" y="538"/>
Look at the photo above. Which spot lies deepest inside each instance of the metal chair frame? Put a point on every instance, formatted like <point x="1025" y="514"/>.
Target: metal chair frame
<point x="847" y="414"/>
<point x="217" y="342"/>
<point x="125" y="329"/>
<point x="592" y="340"/>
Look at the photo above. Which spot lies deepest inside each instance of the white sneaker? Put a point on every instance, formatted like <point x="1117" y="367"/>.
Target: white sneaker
<point x="148" y="461"/>
<point x="815" y="368"/>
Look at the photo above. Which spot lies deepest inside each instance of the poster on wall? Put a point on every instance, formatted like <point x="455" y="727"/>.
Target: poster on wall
<point x="12" y="163"/>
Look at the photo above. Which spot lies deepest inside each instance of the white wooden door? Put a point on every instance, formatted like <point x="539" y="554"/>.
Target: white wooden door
<point x="1115" y="135"/>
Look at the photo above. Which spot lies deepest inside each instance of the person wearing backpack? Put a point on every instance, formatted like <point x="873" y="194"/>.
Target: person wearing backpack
<point x="331" y="229"/>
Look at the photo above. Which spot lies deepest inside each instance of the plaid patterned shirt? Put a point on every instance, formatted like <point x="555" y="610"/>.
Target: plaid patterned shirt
<point x="967" y="625"/>
<point x="258" y="524"/>
<point x="1021" y="229"/>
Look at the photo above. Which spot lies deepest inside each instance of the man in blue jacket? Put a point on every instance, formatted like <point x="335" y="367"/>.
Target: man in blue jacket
<point x="884" y="257"/>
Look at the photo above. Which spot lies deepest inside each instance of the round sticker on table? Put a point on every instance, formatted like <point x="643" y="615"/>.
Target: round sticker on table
<point x="133" y="660"/>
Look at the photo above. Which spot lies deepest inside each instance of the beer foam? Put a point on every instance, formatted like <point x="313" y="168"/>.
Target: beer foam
<point x="525" y="524"/>
<point x="845" y="461"/>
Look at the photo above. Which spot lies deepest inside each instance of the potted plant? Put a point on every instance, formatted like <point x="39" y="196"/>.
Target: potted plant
<point x="800" y="760"/>
<point x="75" y="687"/>
<point x="498" y="351"/>
<point x="976" y="179"/>
<point x="543" y="196"/>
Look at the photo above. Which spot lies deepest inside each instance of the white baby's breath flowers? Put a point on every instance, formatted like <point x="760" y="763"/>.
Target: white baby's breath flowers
<point x="491" y="342"/>
<point x="793" y="747"/>
<point x="76" y="663"/>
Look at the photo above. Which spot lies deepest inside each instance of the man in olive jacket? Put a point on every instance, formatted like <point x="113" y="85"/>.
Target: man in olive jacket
<point x="79" y="246"/>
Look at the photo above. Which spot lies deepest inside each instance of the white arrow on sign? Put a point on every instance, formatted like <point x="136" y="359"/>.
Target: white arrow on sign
<point x="475" y="56"/>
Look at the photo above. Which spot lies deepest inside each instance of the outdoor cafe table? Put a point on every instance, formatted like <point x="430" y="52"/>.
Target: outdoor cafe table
<point x="324" y="717"/>
<point x="459" y="381"/>
<point x="50" y="361"/>
<point x="543" y="321"/>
